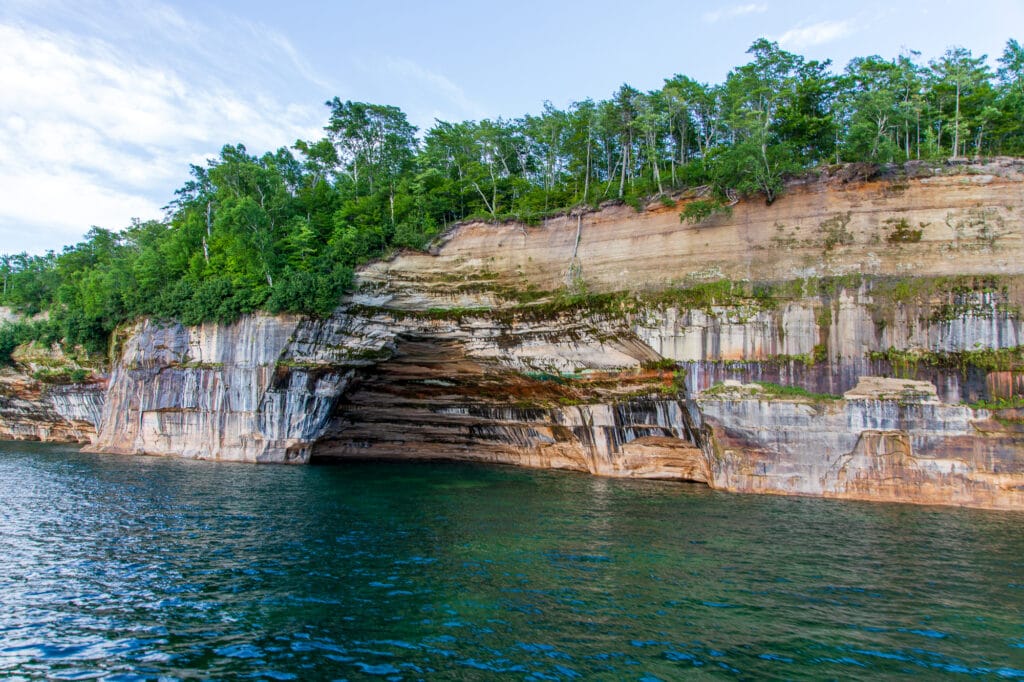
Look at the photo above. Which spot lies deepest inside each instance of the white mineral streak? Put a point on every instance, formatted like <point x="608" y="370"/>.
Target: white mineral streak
<point x="387" y="375"/>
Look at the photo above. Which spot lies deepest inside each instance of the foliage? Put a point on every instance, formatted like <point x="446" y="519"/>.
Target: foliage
<point x="1012" y="403"/>
<point x="905" y="362"/>
<point x="701" y="209"/>
<point x="902" y="233"/>
<point x="13" y="334"/>
<point x="770" y="389"/>
<point x="766" y="390"/>
<point x="661" y="364"/>
<point x="284" y="231"/>
<point x="61" y="375"/>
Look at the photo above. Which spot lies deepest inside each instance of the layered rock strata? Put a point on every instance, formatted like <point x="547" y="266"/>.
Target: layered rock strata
<point x="887" y="439"/>
<point x="32" y="410"/>
<point x="599" y="342"/>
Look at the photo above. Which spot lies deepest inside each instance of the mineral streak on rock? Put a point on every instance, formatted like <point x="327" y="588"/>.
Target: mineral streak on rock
<point x="601" y="343"/>
<point x="30" y="410"/>
<point x="888" y="439"/>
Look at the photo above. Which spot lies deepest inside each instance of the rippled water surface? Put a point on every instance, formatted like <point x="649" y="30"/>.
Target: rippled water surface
<point x="138" y="568"/>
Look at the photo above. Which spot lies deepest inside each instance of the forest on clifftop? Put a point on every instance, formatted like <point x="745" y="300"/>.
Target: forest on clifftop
<point x="284" y="231"/>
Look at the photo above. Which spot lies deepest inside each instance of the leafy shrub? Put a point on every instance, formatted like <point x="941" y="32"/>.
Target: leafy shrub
<point x="701" y="209"/>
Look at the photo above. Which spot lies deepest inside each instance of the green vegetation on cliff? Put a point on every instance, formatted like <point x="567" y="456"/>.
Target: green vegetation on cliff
<point x="283" y="231"/>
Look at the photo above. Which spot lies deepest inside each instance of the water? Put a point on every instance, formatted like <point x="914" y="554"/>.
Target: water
<point x="138" y="568"/>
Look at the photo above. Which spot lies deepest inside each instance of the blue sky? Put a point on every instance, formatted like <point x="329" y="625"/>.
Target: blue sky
<point x="103" y="105"/>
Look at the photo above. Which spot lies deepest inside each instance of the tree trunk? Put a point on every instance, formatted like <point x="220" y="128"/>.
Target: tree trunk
<point x="654" y="163"/>
<point x="489" y="205"/>
<point x="494" y="195"/>
<point x="586" y="177"/>
<point x="919" y="136"/>
<point x="956" y="122"/>
<point x="611" y="179"/>
<point x="209" y="233"/>
<point x="622" y="177"/>
<point x="629" y="150"/>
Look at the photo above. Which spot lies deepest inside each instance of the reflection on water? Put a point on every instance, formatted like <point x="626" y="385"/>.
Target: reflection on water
<point x="137" y="568"/>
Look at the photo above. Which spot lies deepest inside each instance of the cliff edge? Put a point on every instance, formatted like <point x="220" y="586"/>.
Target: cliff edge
<point x="730" y="352"/>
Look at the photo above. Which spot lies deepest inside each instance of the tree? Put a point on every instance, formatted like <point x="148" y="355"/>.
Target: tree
<point x="692" y="112"/>
<point x="623" y="113"/>
<point x="964" y="78"/>
<point x="871" y="109"/>
<point x="582" y="122"/>
<point x="375" y="144"/>
<point x="651" y="121"/>
<point x="756" y="95"/>
<point x="1011" y="97"/>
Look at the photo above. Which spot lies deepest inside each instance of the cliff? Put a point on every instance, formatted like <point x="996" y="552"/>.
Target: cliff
<point x="600" y="342"/>
<point x="887" y="439"/>
<point x="50" y="397"/>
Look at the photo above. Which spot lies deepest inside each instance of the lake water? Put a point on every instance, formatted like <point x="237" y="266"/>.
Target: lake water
<point x="129" y="568"/>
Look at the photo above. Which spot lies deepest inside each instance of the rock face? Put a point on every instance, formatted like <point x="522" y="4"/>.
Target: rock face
<point x="600" y="343"/>
<point x="886" y="440"/>
<point x="966" y="223"/>
<point x="195" y="392"/>
<point x="33" y="411"/>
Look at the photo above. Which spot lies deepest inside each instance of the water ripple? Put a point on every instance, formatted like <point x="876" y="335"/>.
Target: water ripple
<point x="122" y="568"/>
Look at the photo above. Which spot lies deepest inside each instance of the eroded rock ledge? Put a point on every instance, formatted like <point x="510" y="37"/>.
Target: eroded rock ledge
<point x="601" y="343"/>
<point x="886" y="439"/>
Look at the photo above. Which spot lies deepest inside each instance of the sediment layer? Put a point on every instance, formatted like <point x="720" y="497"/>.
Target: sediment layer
<point x="599" y="342"/>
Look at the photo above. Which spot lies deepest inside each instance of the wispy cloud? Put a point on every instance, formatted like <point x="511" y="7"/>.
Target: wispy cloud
<point x="266" y="35"/>
<point x="815" y="34"/>
<point x="734" y="11"/>
<point x="96" y="132"/>
<point x="436" y="86"/>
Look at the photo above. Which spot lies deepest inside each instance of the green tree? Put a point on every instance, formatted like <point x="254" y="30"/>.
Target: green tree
<point x="1010" y="123"/>
<point x="870" y="106"/>
<point x="965" y="80"/>
<point x="375" y="145"/>
<point x="757" y="97"/>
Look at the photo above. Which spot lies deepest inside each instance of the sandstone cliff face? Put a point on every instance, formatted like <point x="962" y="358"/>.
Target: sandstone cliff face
<point x="904" y="446"/>
<point x="826" y="342"/>
<point x="194" y="392"/>
<point x="968" y="223"/>
<point x="30" y="410"/>
<point x="585" y="344"/>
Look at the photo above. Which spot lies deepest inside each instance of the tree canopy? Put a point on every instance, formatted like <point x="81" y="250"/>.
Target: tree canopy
<point x="283" y="231"/>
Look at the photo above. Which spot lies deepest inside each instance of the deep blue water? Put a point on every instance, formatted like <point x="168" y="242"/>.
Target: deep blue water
<point x="129" y="568"/>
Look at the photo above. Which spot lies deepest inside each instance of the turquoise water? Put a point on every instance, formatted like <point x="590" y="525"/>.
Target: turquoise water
<point x="139" y="568"/>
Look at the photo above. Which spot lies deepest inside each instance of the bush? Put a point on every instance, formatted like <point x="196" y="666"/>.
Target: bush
<point x="297" y="291"/>
<point x="13" y="334"/>
<point x="700" y="210"/>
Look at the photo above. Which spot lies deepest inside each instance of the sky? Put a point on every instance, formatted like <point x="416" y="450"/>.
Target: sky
<point x="104" y="105"/>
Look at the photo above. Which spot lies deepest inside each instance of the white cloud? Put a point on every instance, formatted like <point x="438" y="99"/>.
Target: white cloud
<point x="815" y="34"/>
<point x="95" y="132"/>
<point x="65" y="205"/>
<point x="734" y="11"/>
